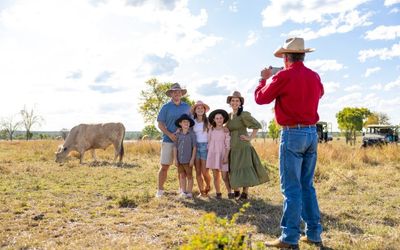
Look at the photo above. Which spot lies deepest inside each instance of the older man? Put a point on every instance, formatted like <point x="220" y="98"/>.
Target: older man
<point x="296" y="90"/>
<point x="169" y="113"/>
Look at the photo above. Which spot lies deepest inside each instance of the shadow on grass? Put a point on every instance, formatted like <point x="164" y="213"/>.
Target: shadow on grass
<point x="265" y="216"/>
<point x="112" y="164"/>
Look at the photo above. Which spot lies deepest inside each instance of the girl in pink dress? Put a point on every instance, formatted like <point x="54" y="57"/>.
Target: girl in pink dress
<point x="218" y="151"/>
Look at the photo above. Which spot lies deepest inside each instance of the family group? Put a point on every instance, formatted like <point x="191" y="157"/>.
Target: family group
<point x="220" y="142"/>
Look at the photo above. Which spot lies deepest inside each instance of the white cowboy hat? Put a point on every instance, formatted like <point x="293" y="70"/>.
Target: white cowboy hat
<point x="174" y="87"/>
<point x="292" y="45"/>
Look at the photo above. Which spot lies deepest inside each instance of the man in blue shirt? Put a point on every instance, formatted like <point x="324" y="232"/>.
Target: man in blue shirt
<point x="169" y="113"/>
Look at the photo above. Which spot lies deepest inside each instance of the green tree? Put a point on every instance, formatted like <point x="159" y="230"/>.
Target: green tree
<point x="273" y="129"/>
<point x="29" y="119"/>
<point x="154" y="97"/>
<point x="377" y="118"/>
<point x="151" y="132"/>
<point x="351" y="120"/>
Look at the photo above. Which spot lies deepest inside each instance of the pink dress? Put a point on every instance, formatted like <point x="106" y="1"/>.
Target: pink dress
<point x="218" y="142"/>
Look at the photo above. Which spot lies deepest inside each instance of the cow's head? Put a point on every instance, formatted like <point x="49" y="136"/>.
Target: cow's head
<point x="61" y="154"/>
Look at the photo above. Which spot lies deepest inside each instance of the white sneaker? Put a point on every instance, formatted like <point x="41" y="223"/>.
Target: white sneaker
<point x="159" y="193"/>
<point x="182" y="195"/>
<point x="189" y="195"/>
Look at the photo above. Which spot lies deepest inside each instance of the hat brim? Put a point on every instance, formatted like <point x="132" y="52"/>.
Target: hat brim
<point x="193" y="108"/>
<point x="168" y="93"/>
<point x="218" y="111"/>
<point x="279" y="52"/>
<point x="184" y="118"/>
<point x="228" y="99"/>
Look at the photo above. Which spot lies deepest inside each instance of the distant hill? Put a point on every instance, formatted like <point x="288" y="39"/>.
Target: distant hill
<point x="20" y="135"/>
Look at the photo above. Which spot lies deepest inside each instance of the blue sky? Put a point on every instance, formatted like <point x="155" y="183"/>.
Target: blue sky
<point x="85" y="61"/>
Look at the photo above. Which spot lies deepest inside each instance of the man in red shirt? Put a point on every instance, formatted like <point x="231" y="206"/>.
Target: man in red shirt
<point x="296" y="90"/>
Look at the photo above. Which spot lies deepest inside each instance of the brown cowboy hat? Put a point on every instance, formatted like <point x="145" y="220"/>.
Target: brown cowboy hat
<point x="237" y="95"/>
<point x="199" y="103"/>
<point x="215" y="112"/>
<point x="292" y="45"/>
<point x="174" y="87"/>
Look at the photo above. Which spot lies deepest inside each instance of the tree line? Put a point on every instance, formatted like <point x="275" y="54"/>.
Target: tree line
<point x="25" y="119"/>
<point x="350" y="120"/>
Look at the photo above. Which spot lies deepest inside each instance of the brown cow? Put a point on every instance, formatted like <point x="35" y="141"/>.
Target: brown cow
<point x="85" y="137"/>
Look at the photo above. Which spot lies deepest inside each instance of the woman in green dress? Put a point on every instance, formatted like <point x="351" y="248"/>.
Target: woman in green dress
<point x="245" y="168"/>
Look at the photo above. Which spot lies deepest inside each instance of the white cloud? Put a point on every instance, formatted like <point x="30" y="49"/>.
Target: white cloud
<point x="391" y="2"/>
<point x="251" y="39"/>
<point x="233" y="7"/>
<point x="324" y="65"/>
<point x="53" y="50"/>
<point x="376" y="86"/>
<point x="353" y="88"/>
<point x="383" y="33"/>
<point x="305" y="11"/>
<point x="392" y="85"/>
<point x="344" y="23"/>
<point x="394" y="11"/>
<point x="331" y="87"/>
<point x="383" y="53"/>
<point x="370" y="71"/>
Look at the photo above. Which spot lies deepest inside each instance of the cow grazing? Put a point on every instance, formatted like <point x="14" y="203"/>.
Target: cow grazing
<point x="84" y="137"/>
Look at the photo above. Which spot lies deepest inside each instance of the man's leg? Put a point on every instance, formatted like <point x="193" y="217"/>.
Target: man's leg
<point x="310" y="210"/>
<point x="162" y="176"/>
<point x="166" y="161"/>
<point x="291" y="149"/>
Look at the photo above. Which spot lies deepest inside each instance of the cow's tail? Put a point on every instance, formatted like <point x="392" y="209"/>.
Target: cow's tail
<point x="121" y="148"/>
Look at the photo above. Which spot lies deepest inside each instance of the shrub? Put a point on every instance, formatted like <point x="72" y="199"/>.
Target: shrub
<point x="219" y="233"/>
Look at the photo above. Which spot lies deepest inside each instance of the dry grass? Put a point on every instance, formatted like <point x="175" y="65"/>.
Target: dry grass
<point x="102" y="205"/>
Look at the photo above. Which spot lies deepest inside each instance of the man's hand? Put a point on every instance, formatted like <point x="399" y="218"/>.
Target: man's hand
<point x="266" y="73"/>
<point x="172" y="136"/>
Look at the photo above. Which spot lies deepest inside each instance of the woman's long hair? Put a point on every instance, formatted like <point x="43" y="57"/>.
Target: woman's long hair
<point x="204" y="119"/>
<point x="240" y="109"/>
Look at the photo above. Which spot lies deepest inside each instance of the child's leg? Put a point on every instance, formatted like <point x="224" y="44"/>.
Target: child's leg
<point x="189" y="177"/>
<point x="225" y="178"/>
<point x="206" y="174"/>
<point x="217" y="177"/>
<point x="199" y="177"/>
<point x="182" y="181"/>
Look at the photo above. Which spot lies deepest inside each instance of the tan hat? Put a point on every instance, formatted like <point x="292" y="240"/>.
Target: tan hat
<point x="292" y="45"/>
<point x="174" y="87"/>
<point x="199" y="103"/>
<point x="237" y="95"/>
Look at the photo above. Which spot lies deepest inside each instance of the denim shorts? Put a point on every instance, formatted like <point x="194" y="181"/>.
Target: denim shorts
<point x="201" y="152"/>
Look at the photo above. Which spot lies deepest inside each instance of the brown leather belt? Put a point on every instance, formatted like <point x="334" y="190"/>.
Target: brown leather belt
<point x="299" y="126"/>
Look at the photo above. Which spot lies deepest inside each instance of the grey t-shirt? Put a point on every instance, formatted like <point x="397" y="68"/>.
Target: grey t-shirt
<point x="185" y="144"/>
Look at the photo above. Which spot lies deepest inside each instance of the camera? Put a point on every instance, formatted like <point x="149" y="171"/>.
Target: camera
<point x="275" y="69"/>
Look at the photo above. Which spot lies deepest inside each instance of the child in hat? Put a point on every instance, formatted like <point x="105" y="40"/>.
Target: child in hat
<point x="218" y="151"/>
<point x="185" y="153"/>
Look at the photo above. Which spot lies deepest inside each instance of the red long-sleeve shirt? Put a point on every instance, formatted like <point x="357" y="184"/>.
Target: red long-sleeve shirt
<point x="296" y="91"/>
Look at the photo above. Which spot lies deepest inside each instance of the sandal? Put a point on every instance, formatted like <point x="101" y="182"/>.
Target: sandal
<point x="231" y="196"/>
<point x="243" y="197"/>
<point x="218" y="196"/>
<point x="237" y="194"/>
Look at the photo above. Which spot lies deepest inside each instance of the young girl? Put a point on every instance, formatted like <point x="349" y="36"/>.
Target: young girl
<point x="218" y="151"/>
<point x="200" y="128"/>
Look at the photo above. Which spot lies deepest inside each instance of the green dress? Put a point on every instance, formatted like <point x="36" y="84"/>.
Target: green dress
<point x="245" y="168"/>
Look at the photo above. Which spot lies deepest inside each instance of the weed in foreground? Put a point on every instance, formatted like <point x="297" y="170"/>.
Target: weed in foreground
<point x="219" y="233"/>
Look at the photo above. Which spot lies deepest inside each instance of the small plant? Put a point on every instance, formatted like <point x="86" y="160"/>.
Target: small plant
<point x="126" y="202"/>
<point x="219" y="233"/>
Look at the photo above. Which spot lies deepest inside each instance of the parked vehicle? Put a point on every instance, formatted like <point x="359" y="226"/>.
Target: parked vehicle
<point x="324" y="131"/>
<point x="378" y="135"/>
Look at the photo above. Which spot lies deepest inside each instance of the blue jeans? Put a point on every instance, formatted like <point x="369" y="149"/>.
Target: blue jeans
<point x="297" y="160"/>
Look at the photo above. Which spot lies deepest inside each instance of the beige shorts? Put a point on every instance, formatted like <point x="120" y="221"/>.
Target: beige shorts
<point x="167" y="153"/>
<point x="184" y="168"/>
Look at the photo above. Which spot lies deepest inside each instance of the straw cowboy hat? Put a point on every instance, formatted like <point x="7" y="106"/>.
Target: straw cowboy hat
<point x="199" y="103"/>
<point x="174" y="87"/>
<point x="215" y="112"/>
<point x="237" y="95"/>
<point x="292" y="45"/>
<point x="184" y="117"/>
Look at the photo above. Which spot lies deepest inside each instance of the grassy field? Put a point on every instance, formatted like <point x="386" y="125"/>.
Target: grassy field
<point x="101" y="206"/>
